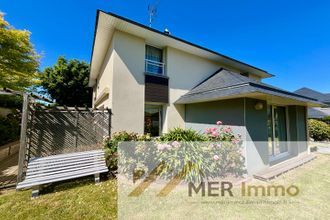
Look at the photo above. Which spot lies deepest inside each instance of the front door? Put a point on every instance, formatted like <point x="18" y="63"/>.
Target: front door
<point x="277" y="131"/>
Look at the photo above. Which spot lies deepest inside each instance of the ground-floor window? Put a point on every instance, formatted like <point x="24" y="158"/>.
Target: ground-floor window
<point x="153" y="119"/>
<point x="277" y="130"/>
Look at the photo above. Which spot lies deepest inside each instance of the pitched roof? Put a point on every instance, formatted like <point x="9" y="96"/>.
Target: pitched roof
<point x="107" y="23"/>
<point x="225" y="83"/>
<point x="314" y="94"/>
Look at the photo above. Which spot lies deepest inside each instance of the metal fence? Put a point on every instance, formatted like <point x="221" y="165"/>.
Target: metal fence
<point x="60" y="130"/>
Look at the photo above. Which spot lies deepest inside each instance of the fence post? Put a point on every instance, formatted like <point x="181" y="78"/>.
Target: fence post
<point x="76" y="129"/>
<point x="109" y="125"/>
<point x="22" y="149"/>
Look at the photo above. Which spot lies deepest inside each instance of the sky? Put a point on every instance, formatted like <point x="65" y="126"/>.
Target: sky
<point x="290" y="39"/>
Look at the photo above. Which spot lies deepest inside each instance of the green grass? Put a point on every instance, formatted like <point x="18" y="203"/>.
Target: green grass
<point x="85" y="200"/>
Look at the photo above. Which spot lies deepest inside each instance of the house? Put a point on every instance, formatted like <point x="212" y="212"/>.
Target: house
<point x="316" y="112"/>
<point x="154" y="81"/>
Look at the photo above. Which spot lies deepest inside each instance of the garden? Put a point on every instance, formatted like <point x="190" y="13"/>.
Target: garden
<point x="193" y="156"/>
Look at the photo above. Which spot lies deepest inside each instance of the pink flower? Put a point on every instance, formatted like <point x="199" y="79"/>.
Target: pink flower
<point x="214" y="133"/>
<point x="160" y="147"/>
<point x="227" y="129"/>
<point x="176" y="144"/>
<point x="213" y="129"/>
<point x="219" y="122"/>
<point x="167" y="146"/>
<point x="235" y="141"/>
<point x="215" y="157"/>
<point x="207" y="130"/>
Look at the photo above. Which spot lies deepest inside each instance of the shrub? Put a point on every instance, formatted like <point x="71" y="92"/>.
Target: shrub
<point x="319" y="130"/>
<point x="182" y="153"/>
<point x="197" y="160"/>
<point x="9" y="128"/>
<point x="179" y="134"/>
<point x="326" y="119"/>
<point x="11" y="101"/>
<point x="111" y="146"/>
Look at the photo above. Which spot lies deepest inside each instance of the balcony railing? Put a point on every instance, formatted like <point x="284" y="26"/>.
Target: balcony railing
<point x="154" y="67"/>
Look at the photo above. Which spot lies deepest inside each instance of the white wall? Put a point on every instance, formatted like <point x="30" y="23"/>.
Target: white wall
<point x="128" y="83"/>
<point x="104" y="81"/>
<point x="122" y="74"/>
<point x="184" y="71"/>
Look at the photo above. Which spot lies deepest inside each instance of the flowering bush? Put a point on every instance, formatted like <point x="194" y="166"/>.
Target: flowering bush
<point x="179" y="134"/>
<point x="111" y="146"/>
<point x="184" y="154"/>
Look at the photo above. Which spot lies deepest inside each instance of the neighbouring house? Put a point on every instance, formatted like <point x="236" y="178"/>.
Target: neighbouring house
<point x="154" y="81"/>
<point x="316" y="112"/>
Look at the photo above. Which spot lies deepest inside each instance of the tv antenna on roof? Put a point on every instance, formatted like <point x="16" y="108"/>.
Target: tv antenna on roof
<point x="152" y="11"/>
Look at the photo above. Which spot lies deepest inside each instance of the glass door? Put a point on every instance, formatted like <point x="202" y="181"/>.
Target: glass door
<point x="277" y="130"/>
<point x="152" y="119"/>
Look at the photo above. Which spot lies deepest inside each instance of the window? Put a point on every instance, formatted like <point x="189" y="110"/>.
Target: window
<point x="154" y="60"/>
<point x="277" y="130"/>
<point x="153" y="119"/>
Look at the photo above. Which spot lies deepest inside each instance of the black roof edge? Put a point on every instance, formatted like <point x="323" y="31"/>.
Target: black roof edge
<point x="282" y="91"/>
<point x="95" y="28"/>
<point x="170" y="36"/>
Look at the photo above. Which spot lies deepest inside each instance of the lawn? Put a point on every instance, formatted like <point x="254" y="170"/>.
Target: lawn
<point x="75" y="200"/>
<point x="84" y="200"/>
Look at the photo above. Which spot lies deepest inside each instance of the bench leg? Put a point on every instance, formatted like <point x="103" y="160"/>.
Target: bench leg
<point x="35" y="192"/>
<point x="97" y="178"/>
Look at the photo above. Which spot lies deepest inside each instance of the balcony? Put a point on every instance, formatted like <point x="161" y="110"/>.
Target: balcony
<point x="154" y="67"/>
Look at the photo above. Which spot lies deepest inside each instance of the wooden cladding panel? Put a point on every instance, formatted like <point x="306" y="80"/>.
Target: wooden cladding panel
<point x="156" y="89"/>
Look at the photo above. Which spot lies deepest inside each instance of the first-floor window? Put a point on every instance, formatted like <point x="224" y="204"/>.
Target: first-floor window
<point x="153" y="119"/>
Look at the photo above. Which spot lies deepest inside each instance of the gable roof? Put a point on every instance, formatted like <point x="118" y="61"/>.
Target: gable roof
<point x="225" y="83"/>
<point x="314" y="94"/>
<point x="107" y="23"/>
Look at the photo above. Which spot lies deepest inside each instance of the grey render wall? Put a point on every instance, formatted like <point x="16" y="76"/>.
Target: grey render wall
<point x="256" y="120"/>
<point x="297" y="130"/>
<point x="257" y="136"/>
<point x="230" y="112"/>
<point x="252" y="126"/>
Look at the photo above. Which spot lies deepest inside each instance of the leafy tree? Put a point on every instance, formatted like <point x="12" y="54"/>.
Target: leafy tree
<point x="67" y="82"/>
<point x="19" y="62"/>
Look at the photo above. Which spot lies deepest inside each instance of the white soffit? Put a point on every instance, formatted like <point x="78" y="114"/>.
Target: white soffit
<point x="107" y="23"/>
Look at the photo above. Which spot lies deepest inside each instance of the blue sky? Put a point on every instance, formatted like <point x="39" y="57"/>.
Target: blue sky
<point x="290" y="39"/>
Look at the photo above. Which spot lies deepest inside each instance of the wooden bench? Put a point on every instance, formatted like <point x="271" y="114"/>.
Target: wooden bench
<point x="61" y="167"/>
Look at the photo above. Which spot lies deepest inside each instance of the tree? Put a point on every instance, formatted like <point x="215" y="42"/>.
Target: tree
<point x="67" y="82"/>
<point x="19" y="62"/>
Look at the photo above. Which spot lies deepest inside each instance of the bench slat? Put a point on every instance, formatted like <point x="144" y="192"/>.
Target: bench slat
<point x="62" y="163"/>
<point x="43" y="161"/>
<point x="63" y="167"/>
<point x="67" y="155"/>
<point x="33" y="174"/>
<point x="45" y="181"/>
<point x="68" y="174"/>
